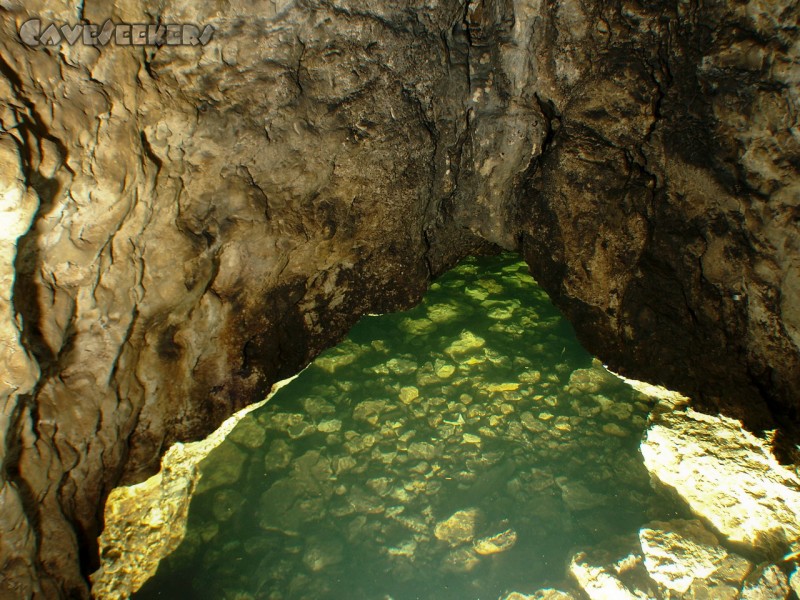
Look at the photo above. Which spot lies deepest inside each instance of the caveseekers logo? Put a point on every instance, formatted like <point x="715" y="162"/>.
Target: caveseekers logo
<point x="35" y="33"/>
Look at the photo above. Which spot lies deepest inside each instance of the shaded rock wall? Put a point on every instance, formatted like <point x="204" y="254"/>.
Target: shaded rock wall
<point x="210" y="218"/>
<point x="663" y="216"/>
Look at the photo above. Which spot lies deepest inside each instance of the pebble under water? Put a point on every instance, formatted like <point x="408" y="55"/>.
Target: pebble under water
<point x="463" y="449"/>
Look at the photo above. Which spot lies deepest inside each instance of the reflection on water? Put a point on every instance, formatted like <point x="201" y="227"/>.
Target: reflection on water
<point x="458" y="450"/>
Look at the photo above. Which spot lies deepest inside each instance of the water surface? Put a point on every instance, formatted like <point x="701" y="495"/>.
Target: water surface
<point x="462" y="449"/>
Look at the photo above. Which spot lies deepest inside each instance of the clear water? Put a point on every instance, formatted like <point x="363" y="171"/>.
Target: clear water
<point x="462" y="449"/>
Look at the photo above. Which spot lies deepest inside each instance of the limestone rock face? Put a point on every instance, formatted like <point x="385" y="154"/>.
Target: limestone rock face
<point x="676" y="559"/>
<point x="662" y="215"/>
<point x="727" y="477"/>
<point x="183" y="226"/>
<point x="193" y="223"/>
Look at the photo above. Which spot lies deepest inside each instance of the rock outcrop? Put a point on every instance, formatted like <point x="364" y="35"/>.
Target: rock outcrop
<point x="183" y="226"/>
<point x="727" y="477"/>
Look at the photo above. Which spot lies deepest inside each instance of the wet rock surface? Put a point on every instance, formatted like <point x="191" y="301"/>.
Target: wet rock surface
<point x="431" y="486"/>
<point x="728" y="477"/>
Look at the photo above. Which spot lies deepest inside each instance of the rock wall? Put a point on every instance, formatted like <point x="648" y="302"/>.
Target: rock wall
<point x="194" y="223"/>
<point x="663" y="215"/>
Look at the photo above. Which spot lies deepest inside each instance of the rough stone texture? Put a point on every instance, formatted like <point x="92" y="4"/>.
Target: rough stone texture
<point x="728" y="478"/>
<point x="147" y="521"/>
<point x="663" y="214"/>
<point x="679" y="552"/>
<point x="768" y="583"/>
<point x="210" y="218"/>
<point x="677" y="560"/>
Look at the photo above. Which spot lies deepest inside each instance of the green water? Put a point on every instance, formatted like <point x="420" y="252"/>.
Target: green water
<point x="463" y="449"/>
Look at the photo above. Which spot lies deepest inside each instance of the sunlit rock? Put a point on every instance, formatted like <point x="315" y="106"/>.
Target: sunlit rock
<point x="401" y="366"/>
<point x="470" y="438"/>
<point x="408" y="394"/>
<point x="794" y="581"/>
<point x="679" y="552"/>
<point x="727" y="477"/>
<point x="599" y="582"/>
<point x="496" y="543"/>
<point x="768" y="582"/>
<point x="329" y="425"/>
<point x="458" y="528"/>
<point x="442" y="313"/>
<point x="466" y="342"/>
<point x="344" y="354"/>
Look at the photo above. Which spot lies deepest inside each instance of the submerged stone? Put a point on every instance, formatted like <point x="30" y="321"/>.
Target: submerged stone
<point x="248" y="433"/>
<point x="321" y="554"/>
<point x="223" y="467"/>
<point x="466" y="342"/>
<point x="458" y="528"/>
<point x="408" y="394"/>
<point x="496" y="543"/>
<point x="460" y="560"/>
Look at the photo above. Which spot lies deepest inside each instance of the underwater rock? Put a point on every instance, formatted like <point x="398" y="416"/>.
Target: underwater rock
<point x="370" y="410"/>
<point x="466" y="342"/>
<point x="531" y="423"/>
<point x="342" y="355"/>
<point x="401" y="366"/>
<point x="443" y="313"/>
<point x="329" y="426"/>
<point x="226" y="503"/>
<point x="317" y="407"/>
<point x="496" y="543"/>
<point x="615" y="430"/>
<point x="320" y="554"/>
<point x="470" y="438"/>
<point x="576" y="496"/>
<point x="278" y="456"/>
<point x="408" y="394"/>
<point x="727" y="477"/>
<point x="418" y="327"/>
<point x="421" y="451"/>
<point x="545" y="594"/>
<point x="460" y="560"/>
<point x="248" y="433"/>
<point x="458" y="528"/>
<point x="444" y="370"/>
<point x="223" y="467"/>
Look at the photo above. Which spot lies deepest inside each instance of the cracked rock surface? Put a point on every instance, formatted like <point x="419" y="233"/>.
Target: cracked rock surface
<point x="181" y="227"/>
